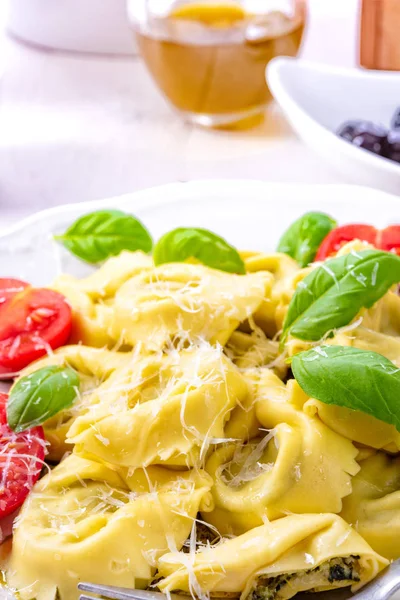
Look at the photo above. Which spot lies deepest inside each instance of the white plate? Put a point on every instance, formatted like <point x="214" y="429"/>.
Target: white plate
<point x="250" y="214"/>
<point x="317" y="98"/>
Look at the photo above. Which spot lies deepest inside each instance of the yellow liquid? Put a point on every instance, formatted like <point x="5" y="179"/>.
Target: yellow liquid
<point x="211" y="59"/>
<point x="219" y="15"/>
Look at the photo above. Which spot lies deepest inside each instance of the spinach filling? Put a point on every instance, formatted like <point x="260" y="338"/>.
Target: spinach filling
<point x="335" y="573"/>
<point x="205" y="536"/>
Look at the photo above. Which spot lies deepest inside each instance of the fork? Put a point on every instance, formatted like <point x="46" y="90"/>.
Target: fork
<point x="380" y="588"/>
<point x="118" y="593"/>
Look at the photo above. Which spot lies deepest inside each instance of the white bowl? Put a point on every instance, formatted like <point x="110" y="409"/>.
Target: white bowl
<point x="98" y="26"/>
<point x="316" y="99"/>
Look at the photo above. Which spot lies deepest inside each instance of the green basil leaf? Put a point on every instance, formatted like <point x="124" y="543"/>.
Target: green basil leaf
<point x="356" y="379"/>
<point x="104" y="233"/>
<point x="332" y="294"/>
<point x="303" y="238"/>
<point x="41" y="395"/>
<point x="208" y="248"/>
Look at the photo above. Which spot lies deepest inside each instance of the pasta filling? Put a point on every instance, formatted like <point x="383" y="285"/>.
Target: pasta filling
<point x="206" y="535"/>
<point x="334" y="573"/>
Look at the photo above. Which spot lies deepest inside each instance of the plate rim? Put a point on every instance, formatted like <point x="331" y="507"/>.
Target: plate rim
<point x="171" y="192"/>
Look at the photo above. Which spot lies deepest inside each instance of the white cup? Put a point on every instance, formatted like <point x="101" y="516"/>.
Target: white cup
<point x="98" y="26"/>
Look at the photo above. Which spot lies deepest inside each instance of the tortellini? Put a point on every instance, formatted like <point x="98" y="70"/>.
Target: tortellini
<point x="91" y="298"/>
<point x="356" y="426"/>
<point x="285" y="270"/>
<point x="86" y="521"/>
<point x="187" y="418"/>
<point x="164" y="408"/>
<point x="185" y="301"/>
<point x="384" y="316"/>
<point x="376" y="328"/>
<point x="277" y="560"/>
<point x="249" y="350"/>
<point x="368" y="339"/>
<point x="373" y="507"/>
<point x="272" y="475"/>
<point x="94" y="367"/>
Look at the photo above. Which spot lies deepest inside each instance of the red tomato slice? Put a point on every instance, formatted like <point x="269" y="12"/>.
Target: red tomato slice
<point x="389" y="239"/>
<point x="31" y="323"/>
<point x="10" y="287"/>
<point x="21" y="461"/>
<point x="341" y="235"/>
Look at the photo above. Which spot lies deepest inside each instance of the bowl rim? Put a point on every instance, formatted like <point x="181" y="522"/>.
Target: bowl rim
<point x="294" y="111"/>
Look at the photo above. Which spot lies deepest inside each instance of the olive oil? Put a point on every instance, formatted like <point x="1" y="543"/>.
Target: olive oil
<point x="210" y="59"/>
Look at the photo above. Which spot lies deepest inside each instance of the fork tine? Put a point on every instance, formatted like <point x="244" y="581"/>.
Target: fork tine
<point x="118" y="593"/>
<point x="108" y="593"/>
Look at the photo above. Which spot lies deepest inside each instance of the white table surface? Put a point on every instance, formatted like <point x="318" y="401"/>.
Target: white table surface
<point x="76" y="128"/>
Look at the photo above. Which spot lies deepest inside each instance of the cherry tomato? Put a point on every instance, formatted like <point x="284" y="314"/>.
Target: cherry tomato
<point x="9" y="288"/>
<point x="32" y="322"/>
<point x="389" y="239"/>
<point x="341" y="235"/>
<point x="21" y="460"/>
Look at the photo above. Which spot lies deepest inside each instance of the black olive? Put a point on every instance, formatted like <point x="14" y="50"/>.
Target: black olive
<point x="395" y="122"/>
<point x="392" y="145"/>
<point x="364" y="134"/>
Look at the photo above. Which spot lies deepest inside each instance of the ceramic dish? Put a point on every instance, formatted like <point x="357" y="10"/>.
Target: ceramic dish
<point x="250" y="214"/>
<point x="316" y="99"/>
<point x="73" y="25"/>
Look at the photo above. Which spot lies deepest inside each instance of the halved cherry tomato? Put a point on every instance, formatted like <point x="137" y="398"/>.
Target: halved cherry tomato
<point x="341" y="235"/>
<point x="31" y="322"/>
<point x="9" y="288"/>
<point x="21" y="460"/>
<point x="389" y="239"/>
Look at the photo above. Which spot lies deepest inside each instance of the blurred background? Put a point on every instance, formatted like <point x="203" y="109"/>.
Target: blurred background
<point x="87" y="111"/>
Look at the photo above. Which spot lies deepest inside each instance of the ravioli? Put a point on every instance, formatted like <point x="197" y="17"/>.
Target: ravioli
<point x="273" y="474"/>
<point x="292" y="549"/>
<point x="373" y="507"/>
<point x="164" y="408"/>
<point x="88" y="522"/>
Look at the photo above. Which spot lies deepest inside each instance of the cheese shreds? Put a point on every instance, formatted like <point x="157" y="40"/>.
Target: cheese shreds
<point x="250" y="467"/>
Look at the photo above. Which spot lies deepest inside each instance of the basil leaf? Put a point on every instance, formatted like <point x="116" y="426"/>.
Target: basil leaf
<point x="332" y="295"/>
<point x="208" y="248"/>
<point x="356" y="379"/>
<point x="41" y="395"/>
<point x="104" y="233"/>
<point x="303" y="238"/>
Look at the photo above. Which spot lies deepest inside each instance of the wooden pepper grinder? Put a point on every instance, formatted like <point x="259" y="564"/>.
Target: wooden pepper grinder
<point x="380" y="34"/>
